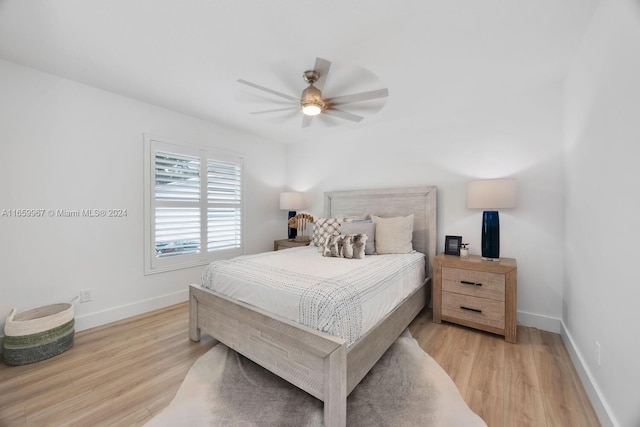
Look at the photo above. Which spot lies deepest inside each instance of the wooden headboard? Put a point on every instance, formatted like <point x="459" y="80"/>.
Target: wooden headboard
<point x="391" y="202"/>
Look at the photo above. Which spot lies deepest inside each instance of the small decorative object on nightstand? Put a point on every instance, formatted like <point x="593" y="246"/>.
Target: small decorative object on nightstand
<point x="464" y="250"/>
<point x="452" y="245"/>
<point x="476" y="293"/>
<point x="287" y="243"/>
<point x="300" y="222"/>
<point x="291" y="201"/>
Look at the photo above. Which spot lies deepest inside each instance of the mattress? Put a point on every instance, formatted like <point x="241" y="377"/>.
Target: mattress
<point x="339" y="296"/>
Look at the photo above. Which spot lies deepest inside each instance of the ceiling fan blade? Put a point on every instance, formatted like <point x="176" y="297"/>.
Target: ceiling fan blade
<point x="322" y="66"/>
<point x="358" y="97"/>
<point x="271" y="91"/>
<point x="276" y="110"/>
<point x="342" y="114"/>
<point x="306" y="121"/>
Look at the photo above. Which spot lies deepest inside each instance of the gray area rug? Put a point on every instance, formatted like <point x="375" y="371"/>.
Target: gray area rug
<point x="405" y="388"/>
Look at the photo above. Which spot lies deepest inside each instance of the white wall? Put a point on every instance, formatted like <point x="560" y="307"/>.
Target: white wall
<point x="65" y="145"/>
<point x="516" y="137"/>
<point x="601" y="291"/>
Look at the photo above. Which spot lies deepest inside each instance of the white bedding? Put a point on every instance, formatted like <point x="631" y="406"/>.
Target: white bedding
<point x="343" y="297"/>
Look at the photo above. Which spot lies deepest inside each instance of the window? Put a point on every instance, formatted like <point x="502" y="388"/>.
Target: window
<point x="193" y="205"/>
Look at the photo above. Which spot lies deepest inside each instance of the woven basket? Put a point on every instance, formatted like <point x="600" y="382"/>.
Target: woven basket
<point x="38" y="334"/>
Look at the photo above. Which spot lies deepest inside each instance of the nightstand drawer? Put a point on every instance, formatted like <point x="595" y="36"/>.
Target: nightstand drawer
<point x="473" y="309"/>
<point x="474" y="283"/>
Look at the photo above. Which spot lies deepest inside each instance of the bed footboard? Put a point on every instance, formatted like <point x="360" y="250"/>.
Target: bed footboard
<point x="311" y="360"/>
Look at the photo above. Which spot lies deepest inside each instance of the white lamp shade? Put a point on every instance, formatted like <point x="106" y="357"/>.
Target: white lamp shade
<point x="291" y="200"/>
<point x="491" y="194"/>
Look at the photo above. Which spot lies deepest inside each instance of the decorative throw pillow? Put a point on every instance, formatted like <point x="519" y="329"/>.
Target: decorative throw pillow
<point x="394" y="235"/>
<point x="345" y="246"/>
<point x="333" y="246"/>
<point x="359" y="244"/>
<point x="362" y="227"/>
<point x="324" y="228"/>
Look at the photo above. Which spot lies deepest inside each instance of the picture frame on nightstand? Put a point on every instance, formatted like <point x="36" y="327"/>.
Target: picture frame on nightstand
<point x="452" y="245"/>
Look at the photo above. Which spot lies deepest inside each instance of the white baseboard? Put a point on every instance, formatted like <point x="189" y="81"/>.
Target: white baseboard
<point x="599" y="403"/>
<point x="91" y="320"/>
<point x="546" y="323"/>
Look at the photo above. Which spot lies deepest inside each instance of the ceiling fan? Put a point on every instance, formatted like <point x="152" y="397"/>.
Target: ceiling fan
<point x="311" y="103"/>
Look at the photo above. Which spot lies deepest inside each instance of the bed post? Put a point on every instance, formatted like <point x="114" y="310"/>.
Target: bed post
<point x="194" y="330"/>
<point x="335" y="388"/>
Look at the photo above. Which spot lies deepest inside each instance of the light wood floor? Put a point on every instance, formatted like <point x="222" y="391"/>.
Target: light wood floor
<point x="531" y="383"/>
<point x="126" y="372"/>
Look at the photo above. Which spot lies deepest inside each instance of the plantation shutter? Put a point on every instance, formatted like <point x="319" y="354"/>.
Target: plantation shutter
<point x="195" y="206"/>
<point x="177" y="213"/>
<point x="224" y="205"/>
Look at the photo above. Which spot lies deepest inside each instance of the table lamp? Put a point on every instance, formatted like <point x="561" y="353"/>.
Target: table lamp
<point x="291" y="201"/>
<point x="491" y="195"/>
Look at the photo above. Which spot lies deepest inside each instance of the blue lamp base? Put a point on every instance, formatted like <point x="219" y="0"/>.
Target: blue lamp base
<point x="490" y="236"/>
<point x="291" y="232"/>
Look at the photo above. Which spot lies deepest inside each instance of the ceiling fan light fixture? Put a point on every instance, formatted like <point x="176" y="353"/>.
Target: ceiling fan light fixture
<point x="311" y="101"/>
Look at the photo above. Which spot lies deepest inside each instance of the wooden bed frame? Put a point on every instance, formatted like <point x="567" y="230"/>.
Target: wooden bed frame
<point x="316" y="362"/>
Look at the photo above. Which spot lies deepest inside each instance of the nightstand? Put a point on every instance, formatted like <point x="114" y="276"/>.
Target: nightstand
<point x="286" y="244"/>
<point x="476" y="293"/>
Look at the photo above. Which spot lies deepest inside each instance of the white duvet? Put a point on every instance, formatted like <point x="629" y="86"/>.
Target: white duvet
<point x="343" y="297"/>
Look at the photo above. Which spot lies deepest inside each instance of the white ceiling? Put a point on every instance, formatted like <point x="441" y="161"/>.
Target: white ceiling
<point x="186" y="55"/>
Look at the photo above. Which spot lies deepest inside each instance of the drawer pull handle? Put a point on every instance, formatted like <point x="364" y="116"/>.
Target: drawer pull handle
<point x="464" y="282"/>
<point x="475" y="310"/>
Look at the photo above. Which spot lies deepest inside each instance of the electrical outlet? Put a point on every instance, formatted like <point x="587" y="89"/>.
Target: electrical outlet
<point x="85" y="295"/>
<point x="598" y="353"/>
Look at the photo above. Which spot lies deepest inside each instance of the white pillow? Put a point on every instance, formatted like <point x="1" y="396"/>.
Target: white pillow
<point x="393" y="235"/>
<point x="354" y="218"/>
